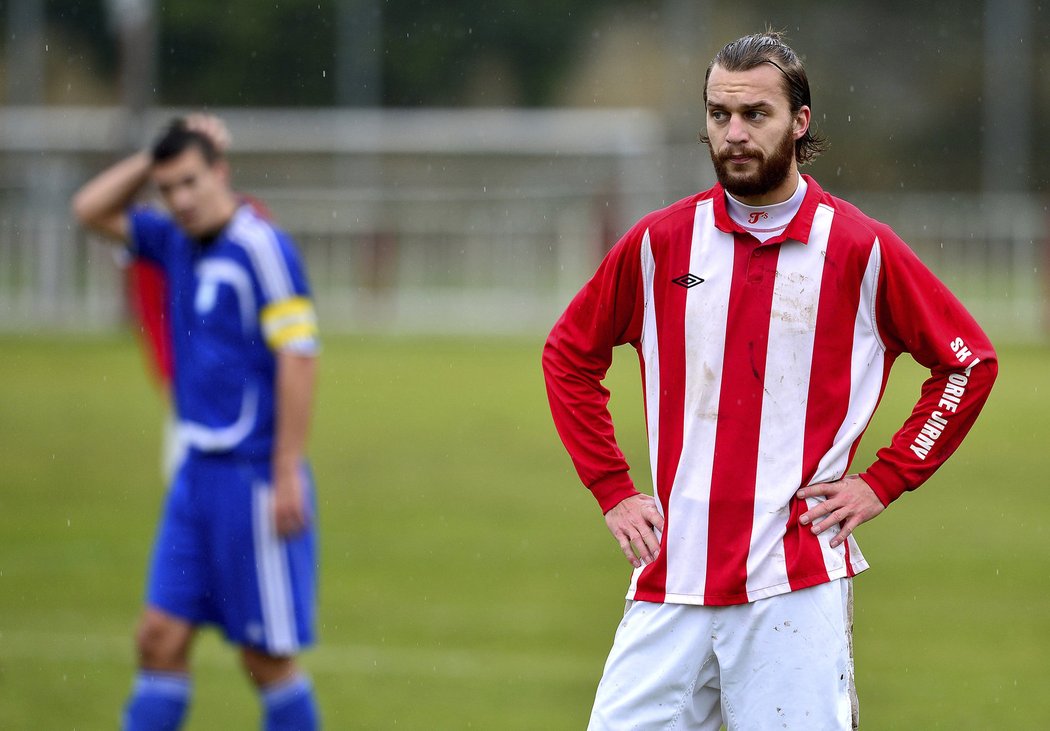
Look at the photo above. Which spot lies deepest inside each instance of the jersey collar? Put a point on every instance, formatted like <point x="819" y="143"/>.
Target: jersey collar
<point x="797" y="230"/>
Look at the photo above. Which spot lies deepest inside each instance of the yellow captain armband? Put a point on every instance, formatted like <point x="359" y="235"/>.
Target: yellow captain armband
<point x="290" y="324"/>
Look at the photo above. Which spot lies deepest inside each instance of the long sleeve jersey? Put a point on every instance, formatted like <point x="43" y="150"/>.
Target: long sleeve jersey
<point x="762" y="365"/>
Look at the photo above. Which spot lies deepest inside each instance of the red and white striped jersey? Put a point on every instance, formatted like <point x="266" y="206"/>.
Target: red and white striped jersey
<point x="762" y="365"/>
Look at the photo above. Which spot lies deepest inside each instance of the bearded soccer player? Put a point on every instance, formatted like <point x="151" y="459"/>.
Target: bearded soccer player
<point x="236" y="544"/>
<point x="766" y="314"/>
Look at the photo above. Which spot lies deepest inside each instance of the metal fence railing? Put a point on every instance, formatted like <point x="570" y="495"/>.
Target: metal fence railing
<point x="990" y="250"/>
<point x="406" y="226"/>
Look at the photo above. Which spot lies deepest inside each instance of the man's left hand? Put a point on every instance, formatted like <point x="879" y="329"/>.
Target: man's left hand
<point x="848" y="503"/>
<point x="289" y="503"/>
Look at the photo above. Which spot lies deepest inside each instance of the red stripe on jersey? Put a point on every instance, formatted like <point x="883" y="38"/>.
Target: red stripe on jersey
<point x="829" y="392"/>
<point x="735" y="465"/>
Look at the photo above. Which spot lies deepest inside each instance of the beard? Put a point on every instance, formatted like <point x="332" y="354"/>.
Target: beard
<point x="772" y="170"/>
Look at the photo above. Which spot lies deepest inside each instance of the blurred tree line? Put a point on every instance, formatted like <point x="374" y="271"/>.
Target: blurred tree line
<point x="285" y="52"/>
<point x="902" y="89"/>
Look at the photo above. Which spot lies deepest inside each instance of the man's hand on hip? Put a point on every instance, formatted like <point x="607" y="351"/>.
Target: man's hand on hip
<point x="848" y="503"/>
<point x="634" y="523"/>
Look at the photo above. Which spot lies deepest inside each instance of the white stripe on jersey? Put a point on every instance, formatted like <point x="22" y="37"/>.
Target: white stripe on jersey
<point x="222" y="438"/>
<point x="212" y="272"/>
<point x="706" y="313"/>
<point x="259" y="240"/>
<point x="789" y="360"/>
<point x="650" y="345"/>
<point x="271" y="568"/>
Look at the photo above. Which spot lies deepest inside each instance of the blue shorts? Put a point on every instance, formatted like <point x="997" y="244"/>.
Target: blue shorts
<point x="218" y="559"/>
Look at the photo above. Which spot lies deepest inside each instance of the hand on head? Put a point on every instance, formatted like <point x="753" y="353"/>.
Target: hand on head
<point x="211" y="127"/>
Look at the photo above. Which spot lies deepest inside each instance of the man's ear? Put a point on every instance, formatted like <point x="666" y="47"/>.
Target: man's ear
<point x="801" y="122"/>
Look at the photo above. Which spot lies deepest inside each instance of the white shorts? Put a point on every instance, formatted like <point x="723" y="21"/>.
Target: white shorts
<point x="785" y="662"/>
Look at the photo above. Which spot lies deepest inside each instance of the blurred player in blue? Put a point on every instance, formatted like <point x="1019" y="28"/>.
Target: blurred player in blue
<point x="236" y="546"/>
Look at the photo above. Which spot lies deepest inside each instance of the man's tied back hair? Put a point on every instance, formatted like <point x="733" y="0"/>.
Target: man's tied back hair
<point x="754" y="50"/>
<point x="177" y="137"/>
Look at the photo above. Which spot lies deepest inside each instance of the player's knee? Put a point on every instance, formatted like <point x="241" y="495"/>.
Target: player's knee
<point x="265" y="670"/>
<point x="161" y="644"/>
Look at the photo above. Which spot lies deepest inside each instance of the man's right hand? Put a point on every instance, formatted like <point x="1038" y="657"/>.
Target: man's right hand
<point x="211" y="127"/>
<point x="635" y="524"/>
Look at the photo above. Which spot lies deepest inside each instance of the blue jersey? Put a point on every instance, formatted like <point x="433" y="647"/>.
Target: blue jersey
<point x="233" y="301"/>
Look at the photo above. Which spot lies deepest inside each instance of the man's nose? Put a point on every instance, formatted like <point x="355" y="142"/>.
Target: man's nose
<point x="737" y="130"/>
<point x="181" y="199"/>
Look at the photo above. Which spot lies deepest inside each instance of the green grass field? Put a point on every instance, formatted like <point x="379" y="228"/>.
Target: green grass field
<point x="468" y="581"/>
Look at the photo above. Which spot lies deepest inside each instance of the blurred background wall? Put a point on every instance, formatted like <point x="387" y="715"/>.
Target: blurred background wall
<point x="461" y="166"/>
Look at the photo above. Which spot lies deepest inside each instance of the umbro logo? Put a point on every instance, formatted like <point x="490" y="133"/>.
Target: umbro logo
<point x="688" y="280"/>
